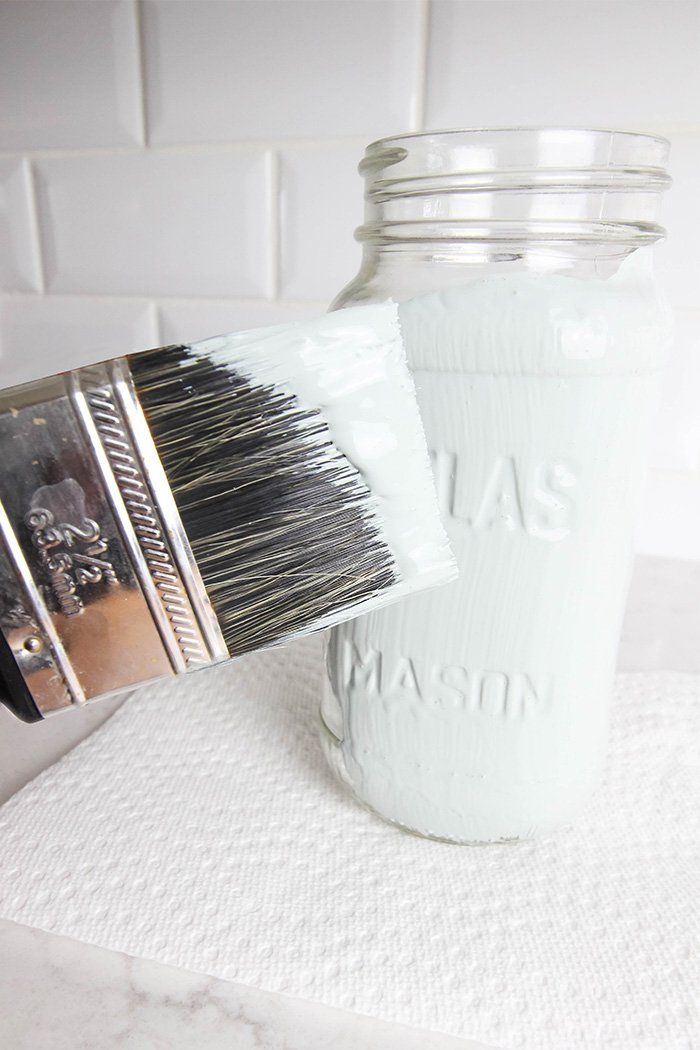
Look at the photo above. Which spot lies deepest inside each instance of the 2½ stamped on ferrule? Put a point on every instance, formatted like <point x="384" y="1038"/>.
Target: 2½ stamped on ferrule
<point x="72" y="556"/>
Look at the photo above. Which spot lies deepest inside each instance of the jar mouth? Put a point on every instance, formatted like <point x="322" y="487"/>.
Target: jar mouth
<point x="552" y="180"/>
<point x="540" y="131"/>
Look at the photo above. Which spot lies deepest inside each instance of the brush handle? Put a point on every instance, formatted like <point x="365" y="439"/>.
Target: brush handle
<point x="15" y="694"/>
<point x="98" y="588"/>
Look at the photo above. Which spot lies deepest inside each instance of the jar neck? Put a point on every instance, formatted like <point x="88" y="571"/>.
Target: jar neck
<point x="406" y="270"/>
<point x="444" y="207"/>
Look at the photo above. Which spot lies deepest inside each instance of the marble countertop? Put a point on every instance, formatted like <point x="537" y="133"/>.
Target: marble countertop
<point x="60" y="994"/>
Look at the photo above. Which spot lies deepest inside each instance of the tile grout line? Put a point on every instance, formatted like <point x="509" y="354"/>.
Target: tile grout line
<point x="162" y="300"/>
<point x="233" y="145"/>
<point x="175" y="149"/>
<point x="273" y="220"/>
<point x="34" y="225"/>
<point x="419" y="99"/>
<point x="142" y="115"/>
<point x="260" y="145"/>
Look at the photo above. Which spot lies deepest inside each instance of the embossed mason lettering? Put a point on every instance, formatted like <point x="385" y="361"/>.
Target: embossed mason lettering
<point x="491" y="693"/>
<point x="362" y="672"/>
<point x="536" y="498"/>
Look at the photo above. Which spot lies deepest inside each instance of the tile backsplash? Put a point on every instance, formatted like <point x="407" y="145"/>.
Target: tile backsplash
<point x="153" y="223"/>
<point x="170" y="169"/>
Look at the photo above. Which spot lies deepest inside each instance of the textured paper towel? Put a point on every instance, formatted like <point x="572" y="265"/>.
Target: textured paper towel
<point x="201" y="828"/>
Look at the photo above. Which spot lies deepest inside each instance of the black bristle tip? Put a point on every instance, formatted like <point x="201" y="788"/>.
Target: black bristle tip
<point x="279" y="521"/>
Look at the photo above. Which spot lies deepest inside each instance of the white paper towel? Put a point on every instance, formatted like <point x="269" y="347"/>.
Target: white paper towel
<point x="200" y="827"/>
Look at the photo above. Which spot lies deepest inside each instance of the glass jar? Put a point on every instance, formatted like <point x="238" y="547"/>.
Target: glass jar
<point x="522" y="261"/>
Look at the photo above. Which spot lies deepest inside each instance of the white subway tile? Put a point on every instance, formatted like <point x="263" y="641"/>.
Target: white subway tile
<point x="600" y="62"/>
<point x="154" y="223"/>
<point x="40" y="335"/>
<point x="186" y="322"/>
<point x="19" y="261"/>
<point x="321" y="205"/>
<point x="219" y="71"/>
<point x="669" y="522"/>
<point x="678" y="258"/>
<point x="69" y="74"/>
<point x="676" y="444"/>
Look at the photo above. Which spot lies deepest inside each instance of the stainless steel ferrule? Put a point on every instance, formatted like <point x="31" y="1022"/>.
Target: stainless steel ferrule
<point x="99" y="591"/>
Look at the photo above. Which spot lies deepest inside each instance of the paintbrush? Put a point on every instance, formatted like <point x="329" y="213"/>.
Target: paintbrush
<point x="174" y="508"/>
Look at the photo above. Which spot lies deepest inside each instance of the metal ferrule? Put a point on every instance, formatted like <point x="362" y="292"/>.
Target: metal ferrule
<point x="99" y="591"/>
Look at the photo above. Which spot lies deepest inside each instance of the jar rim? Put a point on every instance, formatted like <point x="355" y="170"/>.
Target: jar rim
<point x="460" y="152"/>
<point x="534" y="129"/>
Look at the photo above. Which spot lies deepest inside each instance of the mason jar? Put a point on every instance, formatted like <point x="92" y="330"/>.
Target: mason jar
<point x="522" y="263"/>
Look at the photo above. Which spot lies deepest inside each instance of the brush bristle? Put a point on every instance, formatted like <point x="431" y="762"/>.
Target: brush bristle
<point x="281" y="524"/>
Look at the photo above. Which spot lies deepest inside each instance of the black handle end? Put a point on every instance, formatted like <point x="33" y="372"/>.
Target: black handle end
<point x="14" y="693"/>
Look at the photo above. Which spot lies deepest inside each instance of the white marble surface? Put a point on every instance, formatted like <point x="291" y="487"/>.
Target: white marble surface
<point x="58" y="994"/>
